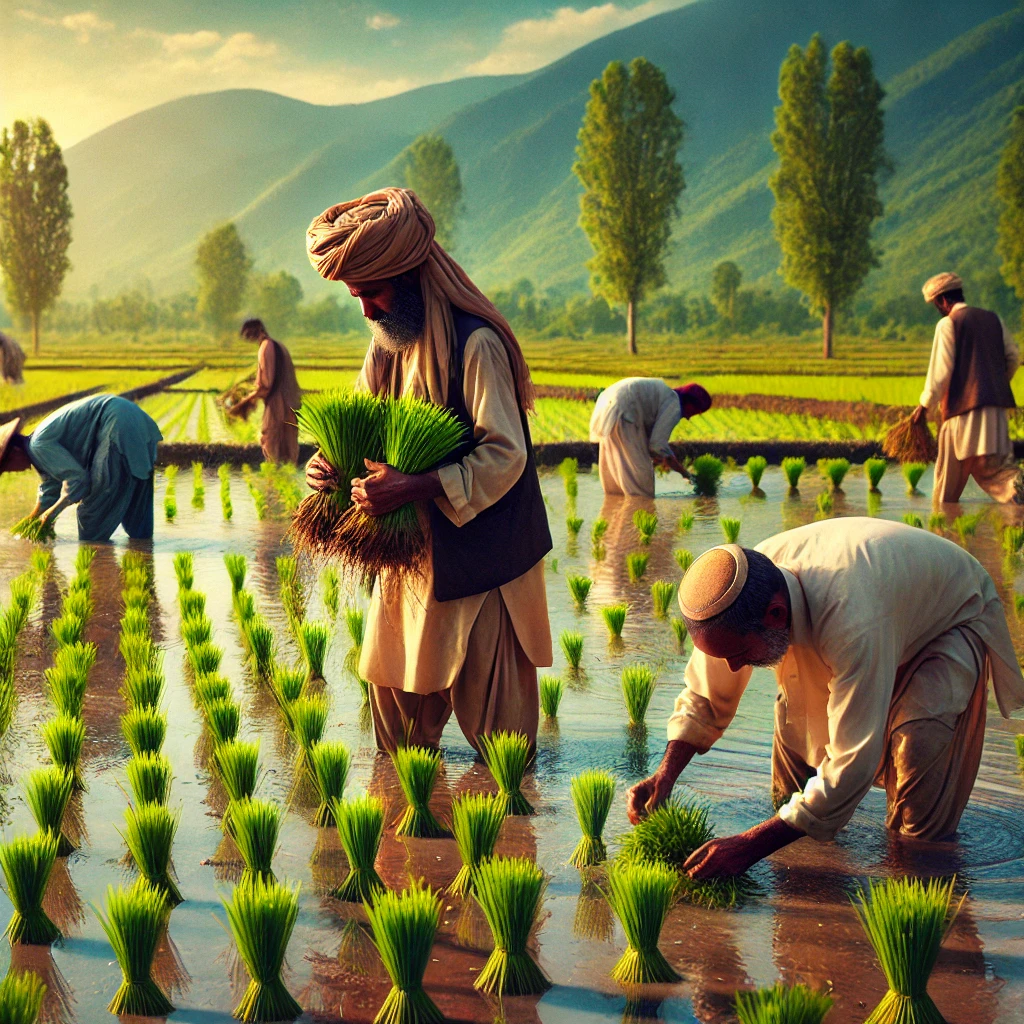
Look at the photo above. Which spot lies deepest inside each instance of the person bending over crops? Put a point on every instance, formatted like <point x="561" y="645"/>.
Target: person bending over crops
<point x="466" y="632"/>
<point x="883" y="639"/>
<point x="632" y="423"/>
<point x="973" y="361"/>
<point x="98" y="453"/>
<point x="278" y="388"/>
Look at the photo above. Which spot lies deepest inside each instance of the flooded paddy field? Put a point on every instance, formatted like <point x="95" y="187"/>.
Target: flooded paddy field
<point x="799" y="926"/>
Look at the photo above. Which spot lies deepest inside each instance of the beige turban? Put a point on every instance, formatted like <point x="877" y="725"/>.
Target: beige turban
<point x="388" y="233"/>
<point x="713" y="582"/>
<point x="935" y="286"/>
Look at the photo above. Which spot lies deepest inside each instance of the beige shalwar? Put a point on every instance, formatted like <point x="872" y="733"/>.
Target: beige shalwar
<point x="277" y="387"/>
<point x="632" y="423"/>
<point x="895" y="634"/>
<point x="478" y="655"/>
<point x="975" y="443"/>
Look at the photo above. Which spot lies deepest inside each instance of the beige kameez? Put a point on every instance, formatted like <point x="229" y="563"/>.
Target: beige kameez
<point x="279" y="435"/>
<point x="895" y="634"/>
<point x="476" y="655"/>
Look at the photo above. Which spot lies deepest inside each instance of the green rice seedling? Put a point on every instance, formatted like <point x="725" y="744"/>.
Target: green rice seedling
<point x="245" y="610"/>
<point x="136" y="600"/>
<point x="636" y="565"/>
<point x="77" y="604"/>
<point x="906" y="920"/>
<point x="224" y="473"/>
<point x="684" y="559"/>
<point x="64" y="737"/>
<point x="793" y="468"/>
<point x="937" y="522"/>
<point x="80" y="583"/>
<point x="579" y="589"/>
<point x="641" y="895"/>
<point x="149" y="835"/>
<point x="571" y="642"/>
<point x="404" y="925"/>
<point x="47" y="793"/>
<point x="184" y="569"/>
<point x="260" y="641"/>
<point x="223" y="716"/>
<point x="255" y="828"/>
<point x="308" y="721"/>
<point x="8" y="701"/>
<point x="136" y="562"/>
<point x="597" y="531"/>
<point x="360" y="824"/>
<point x="782" y="1004"/>
<point x="614" y="616"/>
<point x="204" y="659"/>
<point x="198" y="487"/>
<point x="662" y="595"/>
<point x="912" y="473"/>
<point x="137" y="651"/>
<point x="191" y="605"/>
<point x="144" y="730"/>
<point x="476" y="824"/>
<point x="330" y="588"/>
<point x="730" y="529"/>
<point x="34" y="528"/>
<point x="507" y="756"/>
<point x="211" y="687"/>
<point x="568" y="468"/>
<point x="238" y="765"/>
<point x="592" y="796"/>
<point x="706" y="474"/>
<point x="967" y="526"/>
<point x="679" y="630"/>
<point x="84" y="558"/>
<point x="170" y="508"/>
<point x="143" y="687"/>
<point x="834" y="471"/>
<point x="551" y="690"/>
<point x="417" y="769"/>
<point x="755" y="467"/>
<point x="646" y="523"/>
<point x="825" y="505"/>
<point x="684" y="524"/>
<point x="874" y="470"/>
<point x="573" y="524"/>
<point x="638" y="682"/>
<point x="237" y="566"/>
<point x="330" y="762"/>
<point x="198" y="629"/>
<point x="287" y="684"/>
<point x="21" y="997"/>
<point x="66" y="686"/>
<point x="355" y="623"/>
<point x="149" y="775"/>
<point x="259" y="501"/>
<point x="1013" y="539"/>
<point x="41" y="559"/>
<point x="67" y="630"/>
<point x="1018" y="605"/>
<point x="135" y="620"/>
<point x="314" y="639"/>
<point x="287" y="570"/>
<point x="262" y="916"/>
<point x="554" y="565"/>
<point x="27" y="862"/>
<point x="913" y="519"/>
<point x="171" y="473"/>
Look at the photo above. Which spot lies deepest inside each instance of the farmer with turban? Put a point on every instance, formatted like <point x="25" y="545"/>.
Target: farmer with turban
<point x="98" y="453"/>
<point x="467" y="633"/>
<point x="883" y="639"/>
<point x="632" y="423"/>
<point x="973" y="361"/>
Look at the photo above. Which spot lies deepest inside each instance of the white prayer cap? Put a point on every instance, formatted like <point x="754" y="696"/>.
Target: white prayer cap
<point x="713" y="582"/>
<point x="944" y="282"/>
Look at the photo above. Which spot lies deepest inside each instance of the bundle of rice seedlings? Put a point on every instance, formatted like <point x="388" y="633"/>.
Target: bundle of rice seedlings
<point x="967" y="525"/>
<point x="238" y="766"/>
<point x="641" y="895"/>
<point x="507" y="756"/>
<point x="910" y="442"/>
<point x="184" y="569"/>
<point x="41" y="560"/>
<point x="34" y="528"/>
<point x="144" y="730"/>
<point x="782" y="1004"/>
<point x="755" y="467"/>
<point x="874" y="470"/>
<point x="573" y="525"/>
<point x="47" y="793"/>
<point x="308" y="716"/>
<point x="906" y="920"/>
<point x="509" y="891"/>
<point x="224" y="476"/>
<point x="21" y="997"/>
<point x="198" y="487"/>
<point x="417" y="769"/>
<point x="614" y="616"/>
<point x="149" y="835"/>
<point x="730" y="529"/>
<point x="825" y="505"/>
<point x="679" y="630"/>
<point x="476" y="823"/>
<point x="8" y="700"/>
<point x="706" y="473"/>
<point x="684" y="559"/>
<point x="404" y="925"/>
<point x="244" y="605"/>
<point x="170" y="507"/>
<point x="912" y="473"/>
<point x="196" y="629"/>
<point x="204" y="659"/>
<point x="223" y="717"/>
<point x="646" y="523"/>
<point x="913" y="519"/>
<point x="236" y="565"/>
<point x="579" y="589"/>
<point x="330" y="586"/>
<point x="571" y="642"/>
<point x="330" y="762"/>
<point x="597" y="531"/>
<point x="314" y="639"/>
<point x="137" y="651"/>
<point x="662" y="595"/>
<point x="143" y="687"/>
<point x="355" y="623"/>
<point x="136" y="600"/>
<point x="64" y="737"/>
<point x="636" y="565"/>
<point x="135" y="619"/>
<point x="834" y="471"/>
<point x="255" y="828"/>
<point x="551" y="690"/>
<point x="27" y="862"/>
<point x="68" y="677"/>
<point x="149" y="775"/>
<point x="592" y="796"/>
<point x="287" y="571"/>
<point x="638" y="682"/>
<point x="793" y="468"/>
<point x="67" y="630"/>
<point x="287" y="684"/>
<point x="77" y="604"/>
<point x="360" y="824"/>
<point x="1013" y="539"/>
<point x="260" y="641"/>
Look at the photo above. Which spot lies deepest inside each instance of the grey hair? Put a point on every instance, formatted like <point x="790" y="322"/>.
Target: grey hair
<point x="746" y="613"/>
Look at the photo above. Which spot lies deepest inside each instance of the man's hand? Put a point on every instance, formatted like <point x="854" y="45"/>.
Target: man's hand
<point x="919" y="415"/>
<point x="648" y="795"/>
<point x="723" y="858"/>
<point x="320" y="474"/>
<point x="385" y="488"/>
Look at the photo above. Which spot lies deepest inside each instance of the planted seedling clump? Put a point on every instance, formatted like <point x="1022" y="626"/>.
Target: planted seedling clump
<point x="614" y="616"/>
<point x="47" y="793"/>
<point x="551" y="690"/>
<point x="330" y="762"/>
<point x="144" y="730"/>
<point x="579" y="589"/>
<point x="679" y="631"/>
<point x="638" y="682"/>
<point x="507" y="756"/>
<point x="149" y="775"/>
<point x="21" y="997"/>
<point x="706" y="473"/>
<point x="874" y="470"/>
<point x="64" y="737"/>
<point x="646" y="523"/>
<point x="662" y="596"/>
<point x="309" y="720"/>
<point x="255" y="827"/>
<point x="782" y="1004"/>
<point x="913" y="519"/>
<point x="27" y="862"/>
<point x="237" y="566"/>
<point x="641" y="894"/>
<point x="756" y="465"/>
<point x="592" y="795"/>
<point x="730" y="529"/>
<point x="417" y="769"/>
<point x="360" y="829"/>
<point x="573" y="525"/>
<point x="636" y="565"/>
<point x="149" y="835"/>
<point x="684" y="559"/>
<point x="476" y="824"/>
<point x="571" y="642"/>
<point x="314" y="639"/>
<point x="912" y="473"/>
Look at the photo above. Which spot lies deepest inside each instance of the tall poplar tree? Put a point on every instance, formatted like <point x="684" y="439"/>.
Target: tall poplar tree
<point x="830" y="139"/>
<point x="222" y="266"/>
<point x="35" y="220"/>
<point x="1010" y="191"/>
<point x="726" y="279"/>
<point x="432" y="172"/>
<point x="628" y="162"/>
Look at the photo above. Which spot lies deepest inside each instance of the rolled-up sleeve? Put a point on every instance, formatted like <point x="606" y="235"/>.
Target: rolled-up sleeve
<point x="496" y="463"/>
<point x="669" y="414"/>
<point x="708" y="702"/>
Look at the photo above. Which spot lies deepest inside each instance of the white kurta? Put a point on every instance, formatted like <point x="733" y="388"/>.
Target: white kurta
<point x="867" y="596"/>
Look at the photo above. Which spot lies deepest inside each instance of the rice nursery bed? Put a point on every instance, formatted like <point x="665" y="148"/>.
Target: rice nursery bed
<point x="797" y="921"/>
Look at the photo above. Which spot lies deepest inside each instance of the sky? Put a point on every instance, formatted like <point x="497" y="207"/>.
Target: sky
<point x="85" y="65"/>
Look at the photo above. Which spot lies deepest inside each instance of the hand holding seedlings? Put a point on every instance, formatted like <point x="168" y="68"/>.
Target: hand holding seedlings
<point x="385" y="489"/>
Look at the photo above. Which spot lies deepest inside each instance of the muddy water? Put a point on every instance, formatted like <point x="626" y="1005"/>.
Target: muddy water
<point x="800" y="927"/>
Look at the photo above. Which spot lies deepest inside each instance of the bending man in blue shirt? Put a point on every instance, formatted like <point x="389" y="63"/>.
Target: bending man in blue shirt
<point x="98" y="453"/>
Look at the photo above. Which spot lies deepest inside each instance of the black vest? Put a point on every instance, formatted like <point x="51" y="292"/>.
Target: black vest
<point x="504" y="540"/>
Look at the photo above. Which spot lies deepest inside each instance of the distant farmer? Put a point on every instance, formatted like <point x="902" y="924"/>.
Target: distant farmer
<point x="632" y="423"/>
<point x="883" y="639"/>
<point x="12" y="360"/>
<point x="973" y="361"/>
<point x="98" y="453"/>
<point x="468" y="633"/>
<point x="278" y="388"/>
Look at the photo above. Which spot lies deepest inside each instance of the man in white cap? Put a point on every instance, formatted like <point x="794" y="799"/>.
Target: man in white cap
<point x="883" y="639"/>
<point x="973" y="361"/>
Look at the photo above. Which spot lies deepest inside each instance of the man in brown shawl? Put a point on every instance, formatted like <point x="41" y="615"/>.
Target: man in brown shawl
<point x="467" y="633"/>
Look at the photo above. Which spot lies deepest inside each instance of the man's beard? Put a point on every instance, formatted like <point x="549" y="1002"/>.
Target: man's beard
<point x="777" y="643"/>
<point x="402" y="327"/>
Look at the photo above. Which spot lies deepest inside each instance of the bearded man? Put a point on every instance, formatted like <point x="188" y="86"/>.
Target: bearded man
<point x="883" y="639"/>
<point x="467" y="633"/>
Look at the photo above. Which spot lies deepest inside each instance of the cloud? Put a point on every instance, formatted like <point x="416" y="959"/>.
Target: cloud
<point x="533" y="42"/>
<point x="382" y="22"/>
<point x="186" y="42"/>
<point x="245" y="46"/>
<point x="83" y="24"/>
